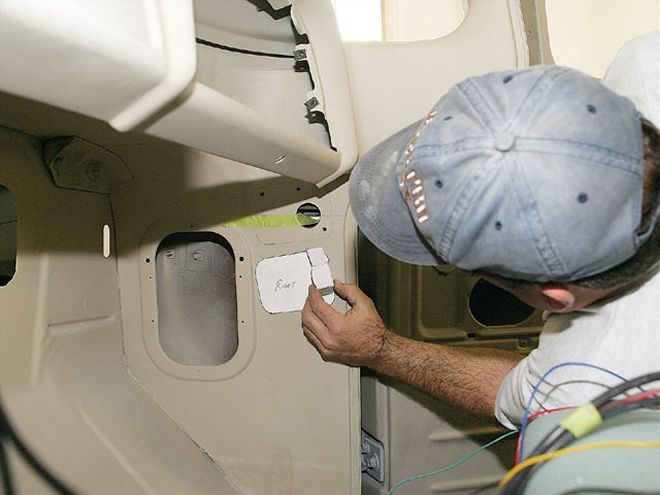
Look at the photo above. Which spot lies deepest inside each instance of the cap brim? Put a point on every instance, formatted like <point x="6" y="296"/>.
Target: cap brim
<point x="379" y="207"/>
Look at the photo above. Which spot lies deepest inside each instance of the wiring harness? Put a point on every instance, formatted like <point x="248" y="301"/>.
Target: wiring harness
<point x="581" y="421"/>
<point x="9" y="436"/>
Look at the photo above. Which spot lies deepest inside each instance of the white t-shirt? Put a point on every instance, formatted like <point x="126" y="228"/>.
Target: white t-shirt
<point x="620" y="334"/>
<point x="635" y="74"/>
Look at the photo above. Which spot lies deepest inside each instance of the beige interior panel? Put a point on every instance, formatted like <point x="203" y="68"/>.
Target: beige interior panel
<point x="64" y="381"/>
<point x="396" y="83"/>
<point x="423" y="434"/>
<point x="266" y="415"/>
<point x="274" y="419"/>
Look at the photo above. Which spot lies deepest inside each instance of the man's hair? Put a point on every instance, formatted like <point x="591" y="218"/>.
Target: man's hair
<point x="648" y="254"/>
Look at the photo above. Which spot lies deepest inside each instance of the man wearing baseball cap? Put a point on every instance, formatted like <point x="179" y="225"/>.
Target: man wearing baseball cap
<point x="546" y="183"/>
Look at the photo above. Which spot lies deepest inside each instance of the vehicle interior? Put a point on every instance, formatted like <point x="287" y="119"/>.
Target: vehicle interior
<point x="170" y="173"/>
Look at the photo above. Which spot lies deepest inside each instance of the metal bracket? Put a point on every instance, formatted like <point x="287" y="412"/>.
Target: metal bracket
<point x="373" y="457"/>
<point x="300" y="55"/>
<point x="312" y="103"/>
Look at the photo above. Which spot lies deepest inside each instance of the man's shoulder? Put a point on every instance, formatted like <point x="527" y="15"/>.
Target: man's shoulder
<point x="635" y="73"/>
<point x="640" y="46"/>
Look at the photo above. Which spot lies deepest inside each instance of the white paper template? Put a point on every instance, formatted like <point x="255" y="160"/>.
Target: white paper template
<point x="283" y="280"/>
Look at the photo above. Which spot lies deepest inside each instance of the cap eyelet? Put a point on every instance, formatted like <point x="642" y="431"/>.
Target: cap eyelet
<point x="498" y="225"/>
<point x="591" y="108"/>
<point x="507" y="79"/>
<point x="439" y="184"/>
<point x="582" y="197"/>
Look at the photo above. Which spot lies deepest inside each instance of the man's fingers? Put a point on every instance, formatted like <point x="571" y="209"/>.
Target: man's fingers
<point x="313" y="339"/>
<point x="351" y="293"/>
<point x="321" y="309"/>
<point x="311" y="321"/>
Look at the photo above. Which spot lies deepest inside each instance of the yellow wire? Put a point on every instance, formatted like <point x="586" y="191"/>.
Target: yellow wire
<point x="571" y="450"/>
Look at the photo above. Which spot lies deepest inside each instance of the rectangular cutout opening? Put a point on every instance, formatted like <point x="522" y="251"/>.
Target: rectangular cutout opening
<point x="196" y="291"/>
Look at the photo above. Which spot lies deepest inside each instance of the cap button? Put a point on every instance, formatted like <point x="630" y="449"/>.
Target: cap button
<point x="504" y="142"/>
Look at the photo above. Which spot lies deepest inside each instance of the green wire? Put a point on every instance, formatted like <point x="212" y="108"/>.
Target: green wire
<point x="451" y="466"/>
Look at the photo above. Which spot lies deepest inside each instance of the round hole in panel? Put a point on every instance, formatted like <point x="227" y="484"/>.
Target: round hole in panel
<point x="312" y="212"/>
<point x="491" y="306"/>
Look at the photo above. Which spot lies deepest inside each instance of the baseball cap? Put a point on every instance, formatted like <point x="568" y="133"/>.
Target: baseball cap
<point x="532" y="174"/>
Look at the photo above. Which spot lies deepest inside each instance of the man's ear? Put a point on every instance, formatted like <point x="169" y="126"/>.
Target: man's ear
<point x="561" y="298"/>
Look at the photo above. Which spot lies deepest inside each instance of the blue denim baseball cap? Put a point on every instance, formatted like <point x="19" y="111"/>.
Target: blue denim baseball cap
<point x="533" y="174"/>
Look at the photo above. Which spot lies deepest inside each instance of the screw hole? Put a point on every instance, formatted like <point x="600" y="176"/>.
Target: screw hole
<point x="241" y="258"/>
<point x="147" y="260"/>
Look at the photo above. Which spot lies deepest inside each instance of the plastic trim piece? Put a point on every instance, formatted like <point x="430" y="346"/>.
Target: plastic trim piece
<point x="327" y="65"/>
<point x="212" y="122"/>
<point x="519" y="33"/>
<point x="178" y="43"/>
<point x="121" y="63"/>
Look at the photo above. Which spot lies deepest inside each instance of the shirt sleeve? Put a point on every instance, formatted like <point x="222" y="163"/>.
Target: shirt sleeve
<point x="566" y="338"/>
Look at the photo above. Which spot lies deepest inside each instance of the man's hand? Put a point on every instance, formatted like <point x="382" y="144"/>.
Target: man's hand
<point x="355" y="338"/>
<point x="464" y="377"/>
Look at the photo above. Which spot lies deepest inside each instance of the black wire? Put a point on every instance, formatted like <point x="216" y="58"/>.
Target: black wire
<point x="558" y="437"/>
<point x="241" y="50"/>
<point x="624" y="387"/>
<point x="553" y="441"/>
<point x="8" y="432"/>
<point x="5" y="470"/>
<point x="7" y="485"/>
<point x="650" y="403"/>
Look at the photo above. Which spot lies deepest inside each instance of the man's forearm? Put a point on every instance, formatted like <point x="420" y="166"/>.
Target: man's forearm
<point x="464" y="377"/>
